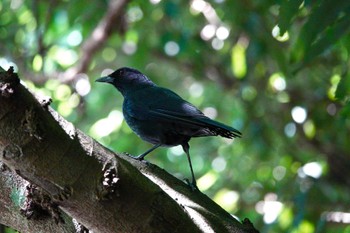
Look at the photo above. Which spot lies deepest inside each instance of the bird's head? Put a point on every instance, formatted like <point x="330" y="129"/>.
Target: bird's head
<point x="127" y="79"/>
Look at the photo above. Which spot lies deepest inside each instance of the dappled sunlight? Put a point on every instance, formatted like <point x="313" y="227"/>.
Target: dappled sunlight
<point x="335" y="79"/>
<point x="154" y="1"/>
<point x="207" y="180"/>
<point x="278" y="82"/>
<point x="6" y="64"/>
<point x="270" y="208"/>
<point x="194" y="209"/>
<point x="37" y="62"/>
<point x="277" y="35"/>
<point x="215" y="30"/>
<point x="106" y="126"/>
<point x="238" y="58"/>
<point x="176" y="150"/>
<point x="74" y="38"/>
<point x="227" y="199"/>
<point x="337" y="217"/>
<point x="299" y="114"/>
<point x="210" y="112"/>
<point x="63" y="56"/>
<point x="208" y="32"/>
<point x="312" y="169"/>
<point x="82" y="86"/>
<point x="222" y="33"/>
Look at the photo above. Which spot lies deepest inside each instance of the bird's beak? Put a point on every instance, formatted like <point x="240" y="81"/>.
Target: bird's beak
<point x="105" y="79"/>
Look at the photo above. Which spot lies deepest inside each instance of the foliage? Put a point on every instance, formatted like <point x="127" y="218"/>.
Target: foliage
<point x="276" y="70"/>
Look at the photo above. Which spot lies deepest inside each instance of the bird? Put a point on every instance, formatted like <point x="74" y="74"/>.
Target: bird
<point x="160" y="116"/>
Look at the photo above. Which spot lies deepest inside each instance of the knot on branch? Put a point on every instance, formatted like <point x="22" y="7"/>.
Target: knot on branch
<point x="109" y="181"/>
<point x="40" y="206"/>
<point x="12" y="152"/>
<point x="30" y="123"/>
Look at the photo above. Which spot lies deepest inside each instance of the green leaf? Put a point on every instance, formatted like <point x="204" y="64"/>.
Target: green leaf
<point x="288" y="11"/>
<point x="343" y="88"/>
<point x="322" y="17"/>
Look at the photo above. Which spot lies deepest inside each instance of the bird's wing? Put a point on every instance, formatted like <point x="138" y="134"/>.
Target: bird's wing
<point x="167" y="106"/>
<point x="157" y="101"/>
<point x="214" y="127"/>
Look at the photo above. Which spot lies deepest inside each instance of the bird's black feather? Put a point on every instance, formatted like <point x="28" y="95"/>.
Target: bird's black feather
<point x="160" y="116"/>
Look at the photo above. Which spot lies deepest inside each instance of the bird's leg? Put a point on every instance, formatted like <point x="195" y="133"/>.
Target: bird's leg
<point x="142" y="156"/>
<point x="193" y="184"/>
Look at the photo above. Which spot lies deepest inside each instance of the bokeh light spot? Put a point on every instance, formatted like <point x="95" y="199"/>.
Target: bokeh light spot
<point x="217" y="44"/>
<point x="222" y="33"/>
<point x="309" y="129"/>
<point x="37" y="62"/>
<point x="228" y="199"/>
<point x="276" y="34"/>
<point x="210" y="112"/>
<point x="290" y="129"/>
<point x="83" y="86"/>
<point x="109" y="54"/>
<point x="74" y="38"/>
<point x="154" y="2"/>
<point x="106" y="126"/>
<point x="238" y="58"/>
<point x="279" y="172"/>
<point x="129" y="47"/>
<point x="207" y="180"/>
<point x="299" y="114"/>
<point x="171" y="48"/>
<point x="332" y="109"/>
<point x="278" y="82"/>
<point x="219" y="164"/>
<point x="208" y="32"/>
<point x="312" y="169"/>
<point x="196" y="89"/>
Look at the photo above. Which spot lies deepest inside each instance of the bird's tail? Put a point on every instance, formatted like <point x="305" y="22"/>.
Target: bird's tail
<point x="218" y="128"/>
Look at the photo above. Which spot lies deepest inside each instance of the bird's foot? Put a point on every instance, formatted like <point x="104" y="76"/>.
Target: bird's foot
<point x="134" y="157"/>
<point x="192" y="185"/>
<point x="139" y="158"/>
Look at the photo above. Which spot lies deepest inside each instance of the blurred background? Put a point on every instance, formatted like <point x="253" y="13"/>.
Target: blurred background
<point x="278" y="71"/>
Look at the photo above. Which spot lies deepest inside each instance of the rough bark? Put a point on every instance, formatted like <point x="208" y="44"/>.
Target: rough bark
<point x="104" y="191"/>
<point x="13" y="189"/>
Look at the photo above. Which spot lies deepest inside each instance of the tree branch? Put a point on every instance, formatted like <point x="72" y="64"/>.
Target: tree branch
<point x="103" y="191"/>
<point x="111" y="21"/>
<point x="113" y="17"/>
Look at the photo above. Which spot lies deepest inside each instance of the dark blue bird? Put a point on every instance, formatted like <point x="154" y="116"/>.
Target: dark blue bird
<point x="161" y="117"/>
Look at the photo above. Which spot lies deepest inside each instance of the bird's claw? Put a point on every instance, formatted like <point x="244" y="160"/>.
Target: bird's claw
<point x="139" y="158"/>
<point x="134" y="157"/>
<point x="192" y="185"/>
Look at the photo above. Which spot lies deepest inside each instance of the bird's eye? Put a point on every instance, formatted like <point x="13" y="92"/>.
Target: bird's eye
<point x="121" y="72"/>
